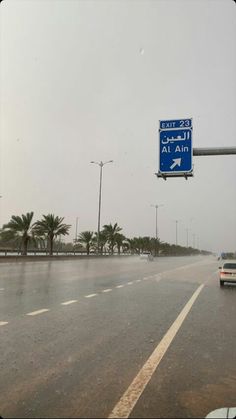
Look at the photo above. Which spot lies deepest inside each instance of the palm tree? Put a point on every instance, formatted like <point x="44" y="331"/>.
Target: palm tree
<point x="155" y="245"/>
<point x="102" y="240"/>
<point x="119" y="241"/>
<point x="20" y="228"/>
<point x="136" y="245"/>
<point x="132" y="245"/>
<point x="51" y="226"/>
<point x="110" y="232"/>
<point x="86" y="237"/>
<point x="147" y="245"/>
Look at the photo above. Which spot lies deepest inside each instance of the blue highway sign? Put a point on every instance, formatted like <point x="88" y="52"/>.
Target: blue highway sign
<point x="176" y="124"/>
<point x="175" y="150"/>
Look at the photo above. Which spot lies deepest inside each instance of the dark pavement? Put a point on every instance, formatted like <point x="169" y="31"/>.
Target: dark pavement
<point x="78" y="359"/>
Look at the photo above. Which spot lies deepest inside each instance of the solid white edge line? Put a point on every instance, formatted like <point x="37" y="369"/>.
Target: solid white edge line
<point x="3" y="323"/>
<point x="35" y="313"/>
<point x="90" y="295"/>
<point x="129" y="399"/>
<point x="66" y="303"/>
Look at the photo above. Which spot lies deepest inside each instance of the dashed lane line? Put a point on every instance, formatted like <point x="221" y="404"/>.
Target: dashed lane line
<point x="66" y="303"/>
<point x="35" y="313"/>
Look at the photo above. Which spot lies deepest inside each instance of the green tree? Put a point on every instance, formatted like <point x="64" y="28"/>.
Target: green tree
<point x="135" y="245"/>
<point x="110" y="232"/>
<point x="19" y="229"/>
<point x="119" y="241"/>
<point x="155" y="246"/>
<point x="102" y="241"/>
<point x="86" y="237"/>
<point x="51" y="226"/>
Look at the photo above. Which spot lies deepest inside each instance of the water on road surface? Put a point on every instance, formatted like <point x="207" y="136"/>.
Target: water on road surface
<point x="84" y="338"/>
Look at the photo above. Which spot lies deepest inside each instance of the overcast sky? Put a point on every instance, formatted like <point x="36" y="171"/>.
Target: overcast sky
<point x="90" y="80"/>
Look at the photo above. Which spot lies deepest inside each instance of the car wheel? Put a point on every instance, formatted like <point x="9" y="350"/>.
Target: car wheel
<point x="221" y="283"/>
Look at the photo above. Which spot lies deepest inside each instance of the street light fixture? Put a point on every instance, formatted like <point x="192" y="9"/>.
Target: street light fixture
<point x="100" y="164"/>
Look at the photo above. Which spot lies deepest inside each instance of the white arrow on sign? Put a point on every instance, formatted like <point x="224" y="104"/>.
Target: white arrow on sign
<point x="177" y="162"/>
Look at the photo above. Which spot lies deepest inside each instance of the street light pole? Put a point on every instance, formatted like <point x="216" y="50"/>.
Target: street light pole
<point x="100" y="164"/>
<point x="76" y="229"/>
<point x="156" y="207"/>
<point x="99" y="205"/>
<point x="176" y="232"/>
<point x="187" y="235"/>
<point x="0" y="196"/>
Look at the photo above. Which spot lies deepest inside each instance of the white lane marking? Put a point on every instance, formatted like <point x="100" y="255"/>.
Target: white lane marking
<point x="138" y="280"/>
<point x="130" y="283"/>
<point x="3" y="323"/>
<point x="107" y="290"/>
<point x="2" y="289"/>
<point x="66" y="303"/>
<point x="129" y="399"/>
<point x="90" y="295"/>
<point x="35" y="313"/>
<point x="119" y="286"/>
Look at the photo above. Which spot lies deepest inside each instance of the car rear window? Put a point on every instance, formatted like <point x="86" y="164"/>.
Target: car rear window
<point x="230" y="266"/>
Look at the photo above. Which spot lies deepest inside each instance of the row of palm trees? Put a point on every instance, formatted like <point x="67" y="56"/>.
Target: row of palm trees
<point x="109" y="238"/>
<point x="22" y="231"/>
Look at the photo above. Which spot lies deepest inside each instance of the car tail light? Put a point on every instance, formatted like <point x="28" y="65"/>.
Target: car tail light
<point x="225" y="273"/>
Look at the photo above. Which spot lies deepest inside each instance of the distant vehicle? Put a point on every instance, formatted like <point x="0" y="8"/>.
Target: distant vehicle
<point x="228" y="272"/>
<point x="146" y="255"/>
<point x="228" y="255"/>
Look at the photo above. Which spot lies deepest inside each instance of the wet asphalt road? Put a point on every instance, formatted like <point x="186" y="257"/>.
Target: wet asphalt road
<point x="78" y="359"/>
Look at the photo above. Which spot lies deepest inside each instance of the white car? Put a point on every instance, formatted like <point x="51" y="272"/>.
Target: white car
<point x="228" y="272"/>
<point x="146" y="255"/>
<point x="225" y="412"/>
